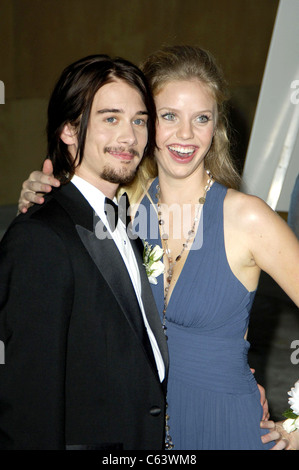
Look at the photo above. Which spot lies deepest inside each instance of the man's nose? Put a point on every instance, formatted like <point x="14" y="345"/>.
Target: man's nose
<point x="127" y="135"/>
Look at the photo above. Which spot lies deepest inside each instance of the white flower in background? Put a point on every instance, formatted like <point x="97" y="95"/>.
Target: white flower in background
<point x="294" y="400"/>
<point x="292" y="415"/>
<point x="151" y="260"/>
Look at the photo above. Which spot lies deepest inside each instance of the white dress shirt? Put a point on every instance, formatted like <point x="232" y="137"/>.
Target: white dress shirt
<point x="97" y="200"/>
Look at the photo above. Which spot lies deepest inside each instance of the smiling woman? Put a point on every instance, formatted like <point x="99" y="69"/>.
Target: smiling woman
<point x="171" y="66"/>
<point x="211" y="273"/>
<point x="187" y="117"/>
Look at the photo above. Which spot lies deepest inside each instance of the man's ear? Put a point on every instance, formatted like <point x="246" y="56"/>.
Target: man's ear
<point x="69" y="135"/>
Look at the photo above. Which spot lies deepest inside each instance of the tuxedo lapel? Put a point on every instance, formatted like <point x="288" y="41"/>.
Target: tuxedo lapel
<point x="115" y="273"/>
<point x="147" y="299"/>
<point x="102" y="251"/>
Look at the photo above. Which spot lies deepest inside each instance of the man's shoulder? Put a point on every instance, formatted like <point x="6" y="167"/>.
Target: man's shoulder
<point x="56" y="220"/>
<point x="51" y="211"/>
<point x="38" y="221"/>
<point x="53" y="214"/>
<point x="50" y="222"/>
<point x="64" y="204"/>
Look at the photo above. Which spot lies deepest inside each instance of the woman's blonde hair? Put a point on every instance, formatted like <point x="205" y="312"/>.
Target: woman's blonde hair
<point x="188" y="63"/>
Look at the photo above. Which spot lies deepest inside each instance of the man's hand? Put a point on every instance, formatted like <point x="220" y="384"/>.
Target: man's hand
<point x="291" y="438"/>
<point x="274" y="434"/>
<point x="264" y="401"/>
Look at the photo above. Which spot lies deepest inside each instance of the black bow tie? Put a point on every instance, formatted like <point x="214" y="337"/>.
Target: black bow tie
<point x="114" y="212"/>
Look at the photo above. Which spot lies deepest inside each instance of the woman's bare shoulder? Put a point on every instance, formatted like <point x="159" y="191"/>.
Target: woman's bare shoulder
<point x="246" y="209"/>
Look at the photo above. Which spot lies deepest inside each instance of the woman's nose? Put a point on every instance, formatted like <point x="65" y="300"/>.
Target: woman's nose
<point x="185" y="130"/>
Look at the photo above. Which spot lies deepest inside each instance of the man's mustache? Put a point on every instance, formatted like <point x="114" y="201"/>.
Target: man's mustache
<point x="133" y="152"/>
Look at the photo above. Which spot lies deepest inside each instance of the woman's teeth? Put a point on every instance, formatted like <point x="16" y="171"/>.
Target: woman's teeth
<point x="182" y="151"/>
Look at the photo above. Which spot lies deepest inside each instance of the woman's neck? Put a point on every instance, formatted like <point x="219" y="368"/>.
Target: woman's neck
<point x="182" y="191"/>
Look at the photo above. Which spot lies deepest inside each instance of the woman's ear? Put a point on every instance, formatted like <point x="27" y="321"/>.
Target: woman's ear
<point x="69" y="135"/>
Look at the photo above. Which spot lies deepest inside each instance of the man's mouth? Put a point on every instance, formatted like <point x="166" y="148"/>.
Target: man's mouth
<point x="182" y="151"/>
<point x="121" y="153"/>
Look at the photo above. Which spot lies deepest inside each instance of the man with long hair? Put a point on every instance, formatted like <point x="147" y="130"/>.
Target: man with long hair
<point x="85" y="354"/>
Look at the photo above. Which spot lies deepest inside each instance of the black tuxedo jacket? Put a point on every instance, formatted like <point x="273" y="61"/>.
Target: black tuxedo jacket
<point x="78" y="371"/>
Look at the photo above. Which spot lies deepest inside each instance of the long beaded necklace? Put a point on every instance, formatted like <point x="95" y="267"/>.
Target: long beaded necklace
<point x="171" y="264"/>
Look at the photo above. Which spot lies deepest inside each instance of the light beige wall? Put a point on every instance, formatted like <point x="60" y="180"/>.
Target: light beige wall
<point x="40" y="37"/>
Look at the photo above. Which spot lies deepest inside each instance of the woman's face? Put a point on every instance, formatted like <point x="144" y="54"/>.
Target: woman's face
<point x="187" y="115"/>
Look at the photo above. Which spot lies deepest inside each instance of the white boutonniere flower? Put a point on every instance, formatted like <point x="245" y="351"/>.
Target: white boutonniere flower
<point x="151" y="260"/>
<point x="292" y="415"/>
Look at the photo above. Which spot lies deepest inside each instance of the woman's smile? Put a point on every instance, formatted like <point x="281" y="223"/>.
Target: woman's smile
<point x="182" y="153"/>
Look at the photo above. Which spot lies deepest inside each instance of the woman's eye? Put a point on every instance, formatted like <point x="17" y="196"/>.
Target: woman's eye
<point x="203" y="118"/>
<point x="168" y="116"/>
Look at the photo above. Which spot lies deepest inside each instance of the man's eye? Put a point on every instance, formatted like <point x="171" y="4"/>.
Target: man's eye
<point x="111" y="120"/>
<point x="140" y="122"/>
<point x="168" y="116"/>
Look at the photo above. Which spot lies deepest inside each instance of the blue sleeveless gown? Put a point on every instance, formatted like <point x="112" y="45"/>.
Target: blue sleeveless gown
<point x="213" y="399"/>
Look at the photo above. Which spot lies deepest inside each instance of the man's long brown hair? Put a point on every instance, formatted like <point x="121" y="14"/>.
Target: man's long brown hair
<point x="71" y="102"/>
